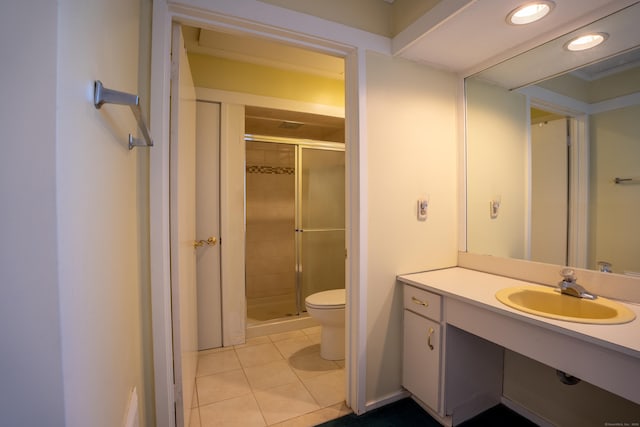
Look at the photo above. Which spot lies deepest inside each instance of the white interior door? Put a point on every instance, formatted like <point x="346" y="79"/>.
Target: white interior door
<point x="208" y="224"/>
<point x="183" y="227"/>
<point x="549" y="192"/>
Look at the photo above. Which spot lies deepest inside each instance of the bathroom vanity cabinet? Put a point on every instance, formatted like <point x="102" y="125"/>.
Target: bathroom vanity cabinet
<point x="454" y="374"/>
<point x="421" y="373"/>
<point x="455" y="333"/>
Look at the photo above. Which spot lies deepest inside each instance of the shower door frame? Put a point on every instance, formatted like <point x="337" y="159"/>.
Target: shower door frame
<point x="300" y="144"/>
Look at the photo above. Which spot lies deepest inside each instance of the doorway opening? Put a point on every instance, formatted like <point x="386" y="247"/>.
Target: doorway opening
<point x="298" y="98"/>
<point x="232" y="106"/>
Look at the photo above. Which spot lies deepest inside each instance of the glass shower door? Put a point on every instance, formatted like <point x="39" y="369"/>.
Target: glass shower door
<point x="270" y="183"/>
<point x="321" y="221"/>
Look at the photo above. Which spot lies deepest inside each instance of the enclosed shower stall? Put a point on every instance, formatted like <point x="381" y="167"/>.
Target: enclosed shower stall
<point x="295" y="224"/>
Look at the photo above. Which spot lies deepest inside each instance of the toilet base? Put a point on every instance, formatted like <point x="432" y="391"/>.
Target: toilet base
<point x="332" y="342"/>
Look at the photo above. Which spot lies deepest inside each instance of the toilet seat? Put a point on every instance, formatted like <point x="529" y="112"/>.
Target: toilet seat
<point x="332" y="299"/>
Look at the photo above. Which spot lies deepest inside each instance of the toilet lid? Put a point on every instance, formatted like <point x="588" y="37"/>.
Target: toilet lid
<point x="334" y="298"/>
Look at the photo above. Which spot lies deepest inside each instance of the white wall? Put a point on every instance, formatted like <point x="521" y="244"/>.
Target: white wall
<point x="412" y="153"/>
<point x="30" y="359"/>
<point x="97" y="212"/>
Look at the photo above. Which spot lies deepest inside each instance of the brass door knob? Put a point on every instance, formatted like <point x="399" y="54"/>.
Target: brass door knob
<point x="211" y="241"/>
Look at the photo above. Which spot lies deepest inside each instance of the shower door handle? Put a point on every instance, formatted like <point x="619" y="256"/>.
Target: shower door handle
<point x="211" y="241"/>
<point x="315" y="230"/>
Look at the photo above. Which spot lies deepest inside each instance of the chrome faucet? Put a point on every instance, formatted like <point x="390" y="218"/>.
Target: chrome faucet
<point x="604" y="266"/>
<point x="569" y="286"/>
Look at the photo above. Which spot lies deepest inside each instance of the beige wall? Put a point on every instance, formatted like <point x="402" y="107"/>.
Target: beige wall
<point x="615" y="152"/>
<point x="497" y="156"/>
<point x="537" y="388"/>
<point x="98" y="215"/>
<point x="31" y="358"/>
<point x="372" y="16"/>
<point x="234" y="76"/>
<point x="411" y="152"/>
<point x="71" y="264"/>
<point x="375" y="16"/>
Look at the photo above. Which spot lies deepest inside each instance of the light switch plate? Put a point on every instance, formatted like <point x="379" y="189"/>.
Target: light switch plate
<point x="423" y="204"/>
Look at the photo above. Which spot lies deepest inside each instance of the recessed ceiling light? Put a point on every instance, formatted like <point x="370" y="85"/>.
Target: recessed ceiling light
<point x="530" y="12"/>
<point x="586" y="41"/>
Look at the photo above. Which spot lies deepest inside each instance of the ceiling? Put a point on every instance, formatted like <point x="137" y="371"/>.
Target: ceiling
<point x="457" y="35"/>
<point x="552" y="59"/>
<point x="292" y="124"/>
<point x="476" y="31"/>
<point x="245" y="48"/>
<point x="624" y="61"/>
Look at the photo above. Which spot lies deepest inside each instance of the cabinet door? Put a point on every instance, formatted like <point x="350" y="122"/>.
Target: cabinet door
<point x="421" y="359"/>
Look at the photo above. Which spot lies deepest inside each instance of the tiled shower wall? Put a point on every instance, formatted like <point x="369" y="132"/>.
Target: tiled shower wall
<point x="270" y="249"/>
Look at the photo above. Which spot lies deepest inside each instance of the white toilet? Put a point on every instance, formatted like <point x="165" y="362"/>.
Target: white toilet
<point x="327" y="308"/>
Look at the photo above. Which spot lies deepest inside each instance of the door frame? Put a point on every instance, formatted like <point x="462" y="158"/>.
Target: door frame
<point x="299" y="30"/>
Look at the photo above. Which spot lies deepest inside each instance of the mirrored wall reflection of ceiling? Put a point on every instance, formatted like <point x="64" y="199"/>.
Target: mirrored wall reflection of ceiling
<point x="613" y="78"/>
<point x="553" y="59"/>
<point x="539" y="116"/>
<point x="292" y="124"/>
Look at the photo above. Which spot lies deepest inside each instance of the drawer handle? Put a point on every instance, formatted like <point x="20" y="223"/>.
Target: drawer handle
<point x="422" y="303"/>
<point x="431" y="331"/>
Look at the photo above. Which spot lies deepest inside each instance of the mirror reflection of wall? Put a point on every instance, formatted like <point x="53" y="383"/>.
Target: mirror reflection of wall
<point x="614" y="209"/>
<point x="496" y="168"/>
<point x="559" y="203"/>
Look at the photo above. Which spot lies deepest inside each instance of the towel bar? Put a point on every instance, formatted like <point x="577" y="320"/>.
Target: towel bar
<point x="102" y="95"/>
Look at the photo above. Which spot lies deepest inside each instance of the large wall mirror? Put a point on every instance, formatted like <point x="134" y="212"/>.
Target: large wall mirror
<point x="553" y="152"/>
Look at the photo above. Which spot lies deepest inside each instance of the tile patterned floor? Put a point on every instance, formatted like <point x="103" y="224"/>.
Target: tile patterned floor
<point x="276" y="380"/>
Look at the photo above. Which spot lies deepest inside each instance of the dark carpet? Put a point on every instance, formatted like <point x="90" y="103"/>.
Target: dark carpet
<point x="498" y="416"/>
<point x="406" y="412"/>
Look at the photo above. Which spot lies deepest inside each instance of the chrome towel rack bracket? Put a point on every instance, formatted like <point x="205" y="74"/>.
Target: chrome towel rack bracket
<point x="102" y="95"/>
<point x="618" y="180"/>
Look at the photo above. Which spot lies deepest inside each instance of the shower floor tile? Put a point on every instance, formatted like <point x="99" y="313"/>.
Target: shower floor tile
<point x="261" y="309"/>
<point x="277" y="380"/>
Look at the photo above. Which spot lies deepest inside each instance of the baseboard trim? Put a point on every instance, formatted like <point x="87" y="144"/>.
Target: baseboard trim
<point x="385" y="400"/>
<point x="531" y="416"/>
<point x="446" y="421"/>
<point x="279" y="326"/>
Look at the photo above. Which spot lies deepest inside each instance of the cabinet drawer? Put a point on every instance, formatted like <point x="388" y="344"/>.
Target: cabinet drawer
<point x="422" y="302"/>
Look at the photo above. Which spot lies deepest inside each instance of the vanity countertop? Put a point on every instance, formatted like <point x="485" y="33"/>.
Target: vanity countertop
<point x="479" y="289"/>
